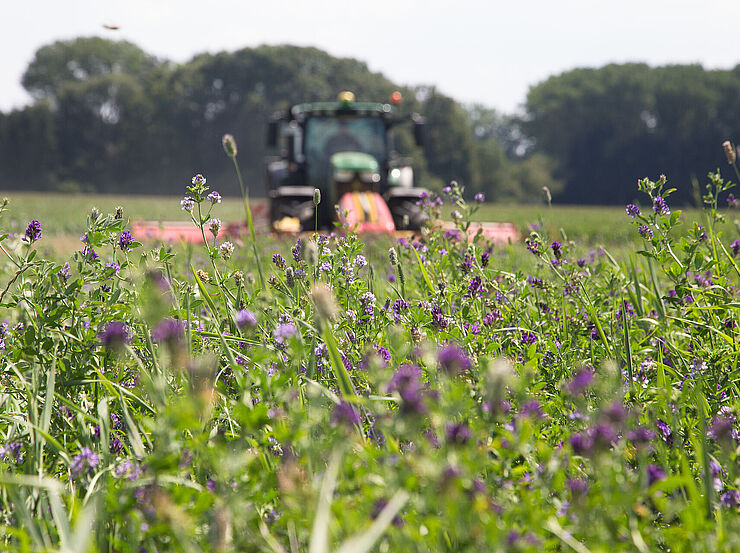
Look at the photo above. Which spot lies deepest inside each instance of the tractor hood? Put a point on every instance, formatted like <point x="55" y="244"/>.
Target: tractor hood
<point x="354" y="161"/>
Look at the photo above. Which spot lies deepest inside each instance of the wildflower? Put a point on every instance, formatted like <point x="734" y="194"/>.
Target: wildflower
<point x="735" y="248"/>
<point x="453" y="360"/>
<point x="214" y="197"/>
<point x="645" y="231"/>
<point x="94" y="213"/>
<point x="187" y="203"/>
<point x="245" y="317"/>
<point x="12" y="451"/>
<point x="378" y="507"/>
<point x="484" y="257"/>
<point x="278" y="260"/>
<point x="345" y="414"/>
<point x="398" y="306"/>
<point x="125" y="240"/>
<point x="665" y="431"/>
<point x="721" y="429"/>
<point x="407" y="383"/>
<point x="528" y="337"/>
<point x="360" y="261"/>
<point x="229" y="145"/>
<point x="632" y="210"/>
<point x="115" y="335"/>
<point x="283" y="332"/>
<point x="731" y="200"/>
<point x="168" y="331"/>
<point x="603" y="435"/>
<point x="557" y="249"/>
<point x="479" y="198"/>
<point x="316" y="196"/>
<point x="214" y="225"/>
<point x="393" y="255"/>
<point x="33" y="231"/>
<point x="640" y="436"/>
<point x="84" y="462"/>
<point x="226" y="249"/>
<point x="655" y="474"/>
<point x="660" y="206"/>
<point x="64" y="271"/>
<point x="729" y="151"/>
<point x="532" y="409"/>
<point x="580" y="381"/>
<point x="533" y="245"/>
<point x="730" y="499"/>
<point x="297" y="250"/>
<point x="578" y="487"/>
<point x="458" y="433"/>
<point x="118" y="213"/>
<point x="439" y="320"/>
<point x="198" y="180"/>
<point x="452" y="235"/>
<point x="581" y="443"/>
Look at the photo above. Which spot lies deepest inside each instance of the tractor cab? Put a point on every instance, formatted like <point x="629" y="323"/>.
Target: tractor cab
<point x="344" y="149"/>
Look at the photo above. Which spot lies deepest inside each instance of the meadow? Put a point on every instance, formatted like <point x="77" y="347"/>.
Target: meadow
<point x="576" y="391"/>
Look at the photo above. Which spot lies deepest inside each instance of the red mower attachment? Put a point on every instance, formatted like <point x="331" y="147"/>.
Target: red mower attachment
<point x="366" y="212"/>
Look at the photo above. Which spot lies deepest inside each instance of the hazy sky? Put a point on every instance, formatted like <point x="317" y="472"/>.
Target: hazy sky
<point x="476" y="51"/>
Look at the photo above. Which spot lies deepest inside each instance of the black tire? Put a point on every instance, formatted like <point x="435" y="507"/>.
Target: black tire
<point x="406" y="207"/>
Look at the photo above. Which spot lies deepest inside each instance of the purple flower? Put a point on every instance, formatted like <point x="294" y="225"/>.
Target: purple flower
<point x="283" y="332"/>
<point x="245" y="317"/>
<point x="458" y="433"/>
<point x="278" y="260"/>
<point x="453" y="360"/>
<point x="655" y="474"/>
<point x="479" y="198"/>
<point x="532" y="409"/>
<point x="640" y="436"/>
<point x="632" y="210"/>
<point x="578" y="487"/>
<point x="345" y="414"/>
<point x="660" y="206"/>
<point x="12" y="451"/>
<point x="452" y="235"/>
<point x="580" y="381"/>
<point x="407" y="383"/>
<point x="730" y="499"/>
<point x="439" y="321"/>
<point x="557" y="249"/>
<point x="735" y="248"/>
<point x="603" y="435"/>
<point x="665" y="431"/>
<point x="64" y="271"/>
<point x="187" y="203"/>
<point x="528" y="338"/>
<point x="484" y="258"/>
<point x="214" y="197"/>
<point x="581" y="443"/>
<point x="198" y="180"/>
<point x="115" y="335"/>
<point x="214" y="225"/>
<point x="33" y="231"/>
<point x="533" y="246"/>
<point x="168" y="331"/>
<point x="378" y="507"/>
<point x="113" y="268"/>
<point x="645" y="231"/>
<point x="731" y="200"/>
<point x="125" y="241"/>
<point x="721" y="429"/>
<point x="84" y="462"/>
<point x="297" y="250"/>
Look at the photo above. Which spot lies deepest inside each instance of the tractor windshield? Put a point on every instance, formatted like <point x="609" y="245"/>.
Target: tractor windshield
<point x="326" y="136"/>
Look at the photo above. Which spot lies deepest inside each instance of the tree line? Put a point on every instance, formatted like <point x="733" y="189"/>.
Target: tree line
<point x="108" y="117"/>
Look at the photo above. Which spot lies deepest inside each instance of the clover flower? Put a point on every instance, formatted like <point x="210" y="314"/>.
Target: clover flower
<point x="479" y="198"/>
<point x="214" y="225"/>
<point x="226" y="249"/>
<point x="84" y="462"/>
<point x="214" y="197"/>
<point x="125" y="241"/>
<point x="245" y="317"/>
<point x="187" y="203"/>
<point x="33" y="231"/>
<point x="632" y="210"/>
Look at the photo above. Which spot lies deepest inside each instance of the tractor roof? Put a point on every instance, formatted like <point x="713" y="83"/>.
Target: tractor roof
<point x="339" y="108"/>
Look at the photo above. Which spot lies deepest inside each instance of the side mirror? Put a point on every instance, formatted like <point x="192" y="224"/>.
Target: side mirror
<point x="418" y="129"/>
<point x="272" y="134"/>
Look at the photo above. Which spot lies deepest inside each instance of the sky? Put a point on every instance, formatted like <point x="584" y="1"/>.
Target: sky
<point x="477" y="51"/>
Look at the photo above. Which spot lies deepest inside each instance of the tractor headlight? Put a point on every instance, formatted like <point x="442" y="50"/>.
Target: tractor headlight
<point x="342" y="175"/>
<point x="369" y="177"/>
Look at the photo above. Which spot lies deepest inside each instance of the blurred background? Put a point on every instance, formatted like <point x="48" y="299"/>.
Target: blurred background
<point x="584" y="98"/>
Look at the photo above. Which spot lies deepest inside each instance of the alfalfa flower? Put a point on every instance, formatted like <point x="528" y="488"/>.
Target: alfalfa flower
<point x="632" y="210"/>
<point x="214" y="197"/>
<point x="645" y="231"/>
<point x="214" y="225"/>
<point x="33" y="231"/>
<point x="226" y="249"/>
<point x="660" y="206"/>
<point x="125" y="241"/>
<point x="187" y="203"/>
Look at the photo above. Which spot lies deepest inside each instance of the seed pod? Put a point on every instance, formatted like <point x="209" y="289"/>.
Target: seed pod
<point x="316" y="196"/>
<point x="229" y="145"/>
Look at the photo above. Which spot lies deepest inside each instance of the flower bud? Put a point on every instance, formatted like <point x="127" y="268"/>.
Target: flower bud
<point x="323" y="300"/>
<point x="316" y="196"/>
<point x="729" y="151"/>
<point x="290" y="276"/>
<point x="229" y="145"/>
<point x="393" y="256"/>
<point x="119" y="213"/>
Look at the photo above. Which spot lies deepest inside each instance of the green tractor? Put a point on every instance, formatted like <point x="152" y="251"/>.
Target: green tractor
<point x="344" y="149"/>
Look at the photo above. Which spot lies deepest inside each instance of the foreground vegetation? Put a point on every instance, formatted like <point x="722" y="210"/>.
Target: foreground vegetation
<point x="338" y="395"/>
